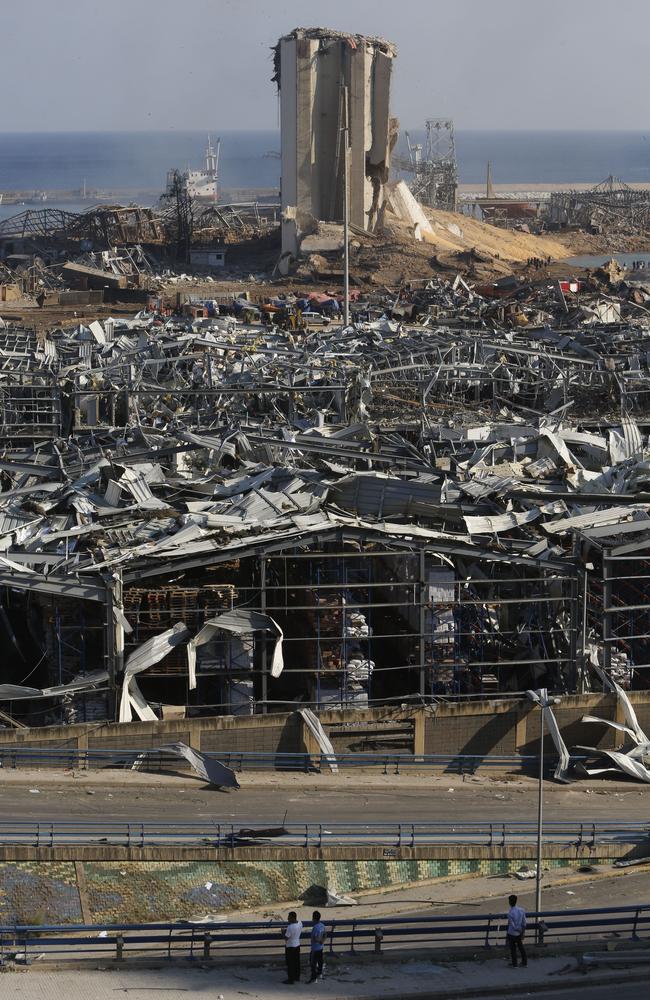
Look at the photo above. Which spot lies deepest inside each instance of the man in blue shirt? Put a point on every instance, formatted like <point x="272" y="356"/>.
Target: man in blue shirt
<point x="318" y="934"/>
<point x="516" y="931"/>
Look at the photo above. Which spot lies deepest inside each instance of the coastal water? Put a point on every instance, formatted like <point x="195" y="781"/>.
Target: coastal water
<point x="138" y="162"/>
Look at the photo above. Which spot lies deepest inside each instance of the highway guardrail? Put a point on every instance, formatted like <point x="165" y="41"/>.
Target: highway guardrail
<point x="201" y="941"/>
<point x="149" y="833"/>
<point x="14" y="756"/>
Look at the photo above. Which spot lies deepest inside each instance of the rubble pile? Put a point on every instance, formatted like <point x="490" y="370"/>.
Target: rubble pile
<point x="131" y="247"/>
<point x="450" y="496"/>
<point x="457" y="231"/>
<point x="611" y="207"/>
<point x="415" y="245"/>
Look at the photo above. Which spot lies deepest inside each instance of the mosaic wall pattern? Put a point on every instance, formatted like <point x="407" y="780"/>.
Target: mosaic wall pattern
<point x="39" y="893"/>
<point x="134" y="892"/>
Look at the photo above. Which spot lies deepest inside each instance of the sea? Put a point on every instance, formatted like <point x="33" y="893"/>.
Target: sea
<point x="136" y="163"/>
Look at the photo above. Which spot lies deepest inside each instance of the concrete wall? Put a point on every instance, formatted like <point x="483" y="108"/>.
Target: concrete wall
<point x="81" y="298"/>
<point x="313" y="74"/>
<point x="479" y="728"/>
<point x="127" y="892"/>
<point x="10" y="293"/>
<point x="513" y="727"/>
<point x="261" y="733"/>
<point x="289" y="149"/>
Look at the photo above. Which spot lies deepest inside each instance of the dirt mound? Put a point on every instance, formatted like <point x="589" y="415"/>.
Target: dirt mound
<point x="453" y="231"/>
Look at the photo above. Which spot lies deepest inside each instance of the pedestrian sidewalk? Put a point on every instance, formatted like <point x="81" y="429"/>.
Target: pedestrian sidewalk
<point x="348" y="980"/>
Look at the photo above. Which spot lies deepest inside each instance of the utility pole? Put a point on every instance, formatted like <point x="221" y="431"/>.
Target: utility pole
<point x="540" y="816"/>
<point x="346" y="211"/>
<point x="489" y="190"/>
<point x="542" y="699"/>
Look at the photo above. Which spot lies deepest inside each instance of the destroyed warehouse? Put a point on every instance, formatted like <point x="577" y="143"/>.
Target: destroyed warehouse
<point x="202" y="513"/>
<point x="245" y="519"/>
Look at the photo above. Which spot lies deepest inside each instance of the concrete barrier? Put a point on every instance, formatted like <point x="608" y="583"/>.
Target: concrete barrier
<point x="483" y="728"/>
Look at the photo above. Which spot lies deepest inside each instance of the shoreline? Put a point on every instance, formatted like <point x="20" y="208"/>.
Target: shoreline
<point x="532" y="190"/>
<point x="32" y="198"/>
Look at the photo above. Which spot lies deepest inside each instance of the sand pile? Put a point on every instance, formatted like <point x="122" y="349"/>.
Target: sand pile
<point x="405" y="220"/>
<point x="453" y="231"/>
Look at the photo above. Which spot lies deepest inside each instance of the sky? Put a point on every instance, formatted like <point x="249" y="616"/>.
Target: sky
<point x="92" y="65"/>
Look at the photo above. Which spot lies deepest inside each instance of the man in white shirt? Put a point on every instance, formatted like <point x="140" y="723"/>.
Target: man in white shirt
<point x="516" y="931"/>
<point x="292" y="948"/>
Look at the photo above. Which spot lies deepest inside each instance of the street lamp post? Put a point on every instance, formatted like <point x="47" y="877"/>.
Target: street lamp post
<point x="542" y="699"/>
<point x="346" y="211"/>
<point x="540" y="818"/>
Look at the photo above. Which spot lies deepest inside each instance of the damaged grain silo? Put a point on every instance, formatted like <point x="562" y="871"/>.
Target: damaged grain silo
<point x="316" y="70"/>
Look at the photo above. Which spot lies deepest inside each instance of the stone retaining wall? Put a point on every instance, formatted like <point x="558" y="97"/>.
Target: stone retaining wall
<point x="130" y="892"/>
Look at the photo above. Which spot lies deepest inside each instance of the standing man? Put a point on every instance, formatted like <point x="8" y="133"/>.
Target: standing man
<point x="318" y="934"/>
<point x="516" y="931"/>
<point x="292" y="948"/>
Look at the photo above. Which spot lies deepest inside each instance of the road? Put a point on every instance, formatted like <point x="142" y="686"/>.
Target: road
<point x="561" y="890"/>
<point x="274" y="800"/>
<point x="622" y="991"/>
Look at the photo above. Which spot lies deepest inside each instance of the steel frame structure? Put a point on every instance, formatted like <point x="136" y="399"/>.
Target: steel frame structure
<point x="612" y="204"/>
<point x="434" y="168"/>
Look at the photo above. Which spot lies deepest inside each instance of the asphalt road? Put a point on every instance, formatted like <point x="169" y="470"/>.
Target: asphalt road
<point x="622" y="991"/>
<point x="310" y="801"/>
<point x="629" y="888"/>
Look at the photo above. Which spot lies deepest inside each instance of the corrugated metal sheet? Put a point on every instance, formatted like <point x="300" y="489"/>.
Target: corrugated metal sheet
<point x="500" y="522"/>
<point x="379" y="496"/>
<point x="613" y="515"/>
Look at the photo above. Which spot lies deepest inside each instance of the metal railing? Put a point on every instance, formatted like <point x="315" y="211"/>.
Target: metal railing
<point x="15" y="756"/>
<point x="129" y="833"/>
<point x="186" y="941"/>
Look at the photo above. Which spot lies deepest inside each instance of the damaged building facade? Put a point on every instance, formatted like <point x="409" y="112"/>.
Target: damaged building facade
<point x="334" y="89"/>
<point x="203" y="517"/>
<point x="207" y="511"/>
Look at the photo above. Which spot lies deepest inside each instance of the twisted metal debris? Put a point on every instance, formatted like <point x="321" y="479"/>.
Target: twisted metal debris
<point x="449" y="507"/>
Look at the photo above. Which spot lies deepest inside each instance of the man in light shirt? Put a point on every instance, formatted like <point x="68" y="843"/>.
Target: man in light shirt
<point x="292" y="948"/>
<point x="516" y="931"/>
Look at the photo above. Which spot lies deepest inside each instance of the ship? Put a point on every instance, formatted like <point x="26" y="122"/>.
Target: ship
<point x="201" y="185"/>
